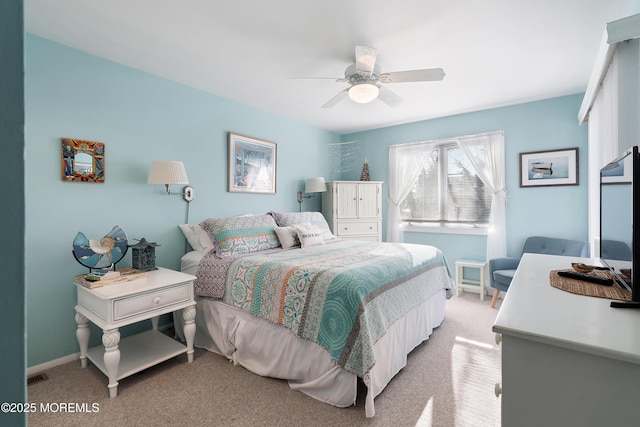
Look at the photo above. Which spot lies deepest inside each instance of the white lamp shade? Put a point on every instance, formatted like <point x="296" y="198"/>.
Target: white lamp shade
<point x="315" y="185"/>
<point x="363" y="93"/>
<point x="167" y="172"/>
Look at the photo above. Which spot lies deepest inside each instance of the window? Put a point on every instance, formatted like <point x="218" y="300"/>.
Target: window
<point x="447" y="191"/>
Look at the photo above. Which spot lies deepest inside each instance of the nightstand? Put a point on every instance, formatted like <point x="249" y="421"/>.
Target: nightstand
<point x="476" y="285"/>
<point x="113" y="306"/>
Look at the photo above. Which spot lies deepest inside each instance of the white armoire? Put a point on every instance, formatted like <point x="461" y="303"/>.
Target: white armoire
<point x="353" y="209"/>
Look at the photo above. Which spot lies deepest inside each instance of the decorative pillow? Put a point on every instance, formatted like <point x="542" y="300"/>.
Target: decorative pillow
<point x="239" y="235"/>
<point x="310" y="236"/>
<point x="288" y="236"/>
<point x="197" y="237"/>
<point x="316" y="219"/>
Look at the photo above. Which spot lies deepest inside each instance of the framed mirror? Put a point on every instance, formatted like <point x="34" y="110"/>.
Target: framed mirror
<point x="82" y="161"/>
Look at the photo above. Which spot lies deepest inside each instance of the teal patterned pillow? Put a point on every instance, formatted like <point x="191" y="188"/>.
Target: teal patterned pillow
<point x="241" y="234"/>
<point x="284" y="219"/>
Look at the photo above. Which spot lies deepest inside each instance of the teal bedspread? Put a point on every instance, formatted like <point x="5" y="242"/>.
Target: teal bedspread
<point x="343" y="295"/>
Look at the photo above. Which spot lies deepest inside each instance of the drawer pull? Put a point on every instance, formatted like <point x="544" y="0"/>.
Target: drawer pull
<point x="498" y="389"/>
<point x="498" y="338"/>
<point x="156" y="300"/>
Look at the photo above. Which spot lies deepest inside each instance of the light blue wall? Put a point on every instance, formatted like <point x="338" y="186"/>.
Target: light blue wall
<point x="140" y="118"/>
<point x="13" y="384"/>
<point x="536" y="126"/>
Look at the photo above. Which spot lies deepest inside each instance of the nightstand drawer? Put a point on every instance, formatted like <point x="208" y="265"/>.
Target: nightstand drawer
<point x="360" y="227"/>
<point x="150" y="301"/>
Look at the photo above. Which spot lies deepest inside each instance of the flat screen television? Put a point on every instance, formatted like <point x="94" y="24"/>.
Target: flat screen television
<point x="619" y="239"/>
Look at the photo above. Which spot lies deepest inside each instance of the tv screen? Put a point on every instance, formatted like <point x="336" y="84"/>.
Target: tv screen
<point x="619" y="184"/>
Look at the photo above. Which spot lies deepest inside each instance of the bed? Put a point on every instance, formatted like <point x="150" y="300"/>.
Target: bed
<point x="281" y="296"/>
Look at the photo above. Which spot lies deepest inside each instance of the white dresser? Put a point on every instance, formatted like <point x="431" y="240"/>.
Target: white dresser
<point x="353" y="209"/>
<point x="567" y="360"/>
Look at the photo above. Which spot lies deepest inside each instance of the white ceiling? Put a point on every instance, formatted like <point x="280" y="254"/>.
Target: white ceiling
<point x="494" y="52"/>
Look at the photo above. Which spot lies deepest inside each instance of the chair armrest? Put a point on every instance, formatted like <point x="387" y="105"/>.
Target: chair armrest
<point x="508" y="263"/>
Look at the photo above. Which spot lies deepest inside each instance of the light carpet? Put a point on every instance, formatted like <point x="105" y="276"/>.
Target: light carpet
<point x="448" y="382"/>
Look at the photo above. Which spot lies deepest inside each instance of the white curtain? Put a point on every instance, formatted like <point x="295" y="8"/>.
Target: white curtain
<point x="405" y="163"/>
<point x="486" y="154"/>
<point x="603" y="144"/>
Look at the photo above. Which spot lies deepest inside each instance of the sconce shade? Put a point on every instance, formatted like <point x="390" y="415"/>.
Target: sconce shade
<point x="363" y="92"/>
<point x="167" y="172"/>
<point x="315" y="185"/>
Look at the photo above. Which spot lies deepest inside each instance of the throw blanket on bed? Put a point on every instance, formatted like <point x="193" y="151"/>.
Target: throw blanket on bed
<point x="211" y="276"/>
<point x="342" y="296"/>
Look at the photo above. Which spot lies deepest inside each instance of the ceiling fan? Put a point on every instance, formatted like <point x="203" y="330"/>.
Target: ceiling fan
<point x="367" y="82"/>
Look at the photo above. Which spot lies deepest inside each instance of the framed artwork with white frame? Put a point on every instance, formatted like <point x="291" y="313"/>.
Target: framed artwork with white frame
<point x="549" y="168"/>
<point x="252" y="165"/>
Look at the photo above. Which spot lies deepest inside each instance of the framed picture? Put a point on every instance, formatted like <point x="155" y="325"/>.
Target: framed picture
<point x="618" y="173"/>
<point x="82" y="161"/>
<point x="546" y="168"/>
<point x="252" y="165"/>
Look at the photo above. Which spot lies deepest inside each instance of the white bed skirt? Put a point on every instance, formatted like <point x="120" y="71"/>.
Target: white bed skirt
<point x="274" y="351"/>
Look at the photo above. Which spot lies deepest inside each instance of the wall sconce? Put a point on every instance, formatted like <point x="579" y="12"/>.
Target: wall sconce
<point x="313" y="185"/>
<point x="171" y="172"/>
<point x="168" y="173"/>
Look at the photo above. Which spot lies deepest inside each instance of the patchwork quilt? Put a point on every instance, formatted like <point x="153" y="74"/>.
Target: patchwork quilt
<point x="343" y="295"/>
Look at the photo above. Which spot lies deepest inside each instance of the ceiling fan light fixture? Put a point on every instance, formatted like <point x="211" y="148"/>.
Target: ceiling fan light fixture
<point x="363" y="92"/>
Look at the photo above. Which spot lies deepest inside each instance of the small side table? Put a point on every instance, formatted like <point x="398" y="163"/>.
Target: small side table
<point x="463" y="283"/>
<point x="113" y="306"/>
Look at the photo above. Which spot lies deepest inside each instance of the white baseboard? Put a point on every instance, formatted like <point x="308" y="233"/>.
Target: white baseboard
<point x="36" y="369"/>
<point x="52" y="364"/>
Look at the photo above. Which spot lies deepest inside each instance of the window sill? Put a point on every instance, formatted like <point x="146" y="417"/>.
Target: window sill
<point x="480" y="230"/>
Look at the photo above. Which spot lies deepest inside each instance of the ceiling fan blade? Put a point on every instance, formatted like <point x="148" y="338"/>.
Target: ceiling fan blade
<point x="335" y="79"/>
<point x="389" y="97"/>
<point x="427" y="75"/>
<point x="365" y="60"/>
<point x="339" y="97"/>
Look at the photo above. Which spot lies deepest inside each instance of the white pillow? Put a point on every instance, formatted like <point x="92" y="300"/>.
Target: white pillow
<point x="197" y="237"/>
<point x="288" y="236"/>
<point x="309" y="235"/>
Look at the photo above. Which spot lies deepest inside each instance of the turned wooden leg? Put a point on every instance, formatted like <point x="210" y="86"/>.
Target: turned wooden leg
<point x="82" y="334"/>
<point x="110" y="340"/>
<point x="496" y="292"/>
<point x="189" y="315"/>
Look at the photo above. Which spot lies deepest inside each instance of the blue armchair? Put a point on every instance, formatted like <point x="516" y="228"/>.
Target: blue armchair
<point x="501" y="270"/>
